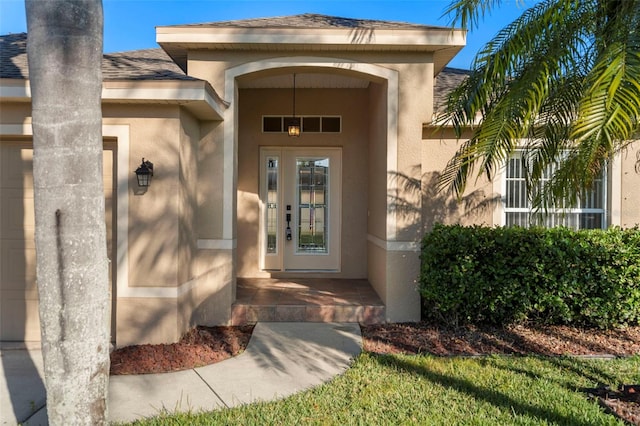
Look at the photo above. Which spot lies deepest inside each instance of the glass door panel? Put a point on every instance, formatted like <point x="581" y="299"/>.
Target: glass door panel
<point x="272" y="205"/>
<point x="270" y="201"/>
<point x="312" y="225"/>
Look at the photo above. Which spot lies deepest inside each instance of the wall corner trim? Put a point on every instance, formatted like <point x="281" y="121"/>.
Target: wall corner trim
<point x="217" y="244"/>
<point x="407" y="246"/>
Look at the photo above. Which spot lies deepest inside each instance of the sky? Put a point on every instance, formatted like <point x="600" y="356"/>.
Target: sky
<point x="130" y="24"/>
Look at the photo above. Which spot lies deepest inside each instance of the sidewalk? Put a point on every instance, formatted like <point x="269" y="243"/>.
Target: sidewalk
<point x="280" y="359"/>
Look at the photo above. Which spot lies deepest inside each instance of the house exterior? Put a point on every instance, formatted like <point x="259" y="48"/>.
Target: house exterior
<point x="233" y="195"/>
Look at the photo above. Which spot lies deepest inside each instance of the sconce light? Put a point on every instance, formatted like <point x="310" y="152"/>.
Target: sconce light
<point x="294" y="124"/>
<point x="144" y="173"/>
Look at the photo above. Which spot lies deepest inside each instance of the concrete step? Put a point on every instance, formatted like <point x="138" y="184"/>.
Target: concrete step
<point x="243" y="313"/>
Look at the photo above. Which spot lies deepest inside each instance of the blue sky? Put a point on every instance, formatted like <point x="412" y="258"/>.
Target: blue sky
<point x="130" y="24"/>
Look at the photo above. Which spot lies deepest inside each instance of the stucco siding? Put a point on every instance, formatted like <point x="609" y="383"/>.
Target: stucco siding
<point x="209" y="302"/>
<point x="403" y="299"/>
<point x="189" y="139"/>
<point x="630" y="186"/>
<point x="414" y="108"/>
<point x="479" y="201"/>
<point x="154" y="212"/>
<point x="210" y="166"/>
<point x="147" y="320"/>
<point x="377" y="268"/>
<point x="377" y="153"/>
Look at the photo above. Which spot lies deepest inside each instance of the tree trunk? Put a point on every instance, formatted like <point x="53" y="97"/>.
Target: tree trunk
<point x="64" y="49"/>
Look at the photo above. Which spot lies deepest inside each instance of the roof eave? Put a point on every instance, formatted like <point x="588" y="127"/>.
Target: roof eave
<point x="176" y="41"/>
<point x="14" y="90"/>
<point x="312" y="36"/>
<point x="196" y="96"/>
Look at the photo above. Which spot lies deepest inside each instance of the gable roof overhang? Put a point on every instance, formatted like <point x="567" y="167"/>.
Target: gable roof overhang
<point x="196" y="96"/>
<point x="312" y="33"/>
<point x="146" y="76"/>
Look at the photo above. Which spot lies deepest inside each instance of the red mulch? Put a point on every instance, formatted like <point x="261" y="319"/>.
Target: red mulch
<point x="412" y="338"/>
<point x="200" y="346"/>
<point x="206" y="345"/>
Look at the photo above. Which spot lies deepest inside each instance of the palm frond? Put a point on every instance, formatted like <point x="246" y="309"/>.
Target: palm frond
<point x="563" y="76"/>
<point x="469" y="13"/>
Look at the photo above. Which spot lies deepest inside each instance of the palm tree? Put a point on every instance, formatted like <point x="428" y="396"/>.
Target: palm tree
<point x="565" y="78"/>
<point x="64" y="49"/>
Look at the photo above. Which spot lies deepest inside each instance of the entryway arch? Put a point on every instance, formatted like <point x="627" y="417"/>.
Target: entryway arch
<point x="373" y="72"/>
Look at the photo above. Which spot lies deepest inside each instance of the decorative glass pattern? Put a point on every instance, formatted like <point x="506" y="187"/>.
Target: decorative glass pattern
<point x="272" y="205"/>
<point x="312" y="188"/>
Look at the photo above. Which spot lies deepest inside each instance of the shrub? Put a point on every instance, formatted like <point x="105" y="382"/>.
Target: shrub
<point x="502" y="276"/>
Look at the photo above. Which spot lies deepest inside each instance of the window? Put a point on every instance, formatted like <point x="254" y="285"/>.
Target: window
<point x="310" y="124"/>
<point x="590" y="213"/>
<point x="272" y="124"/>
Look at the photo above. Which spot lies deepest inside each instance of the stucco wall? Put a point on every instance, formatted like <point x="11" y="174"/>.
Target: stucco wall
<point x="154" y="134"/>
<point x="188" y="203"/>
<point x="630" y="186"/>
<point x="210" y="166"/>
<point x="414" y="109"/>
<point x="377" y="154"/>
<point x="479" y="201"/>
<point x="210" y="65"/>
<point x="147" y="320"/>
<point x="377" y="213"/>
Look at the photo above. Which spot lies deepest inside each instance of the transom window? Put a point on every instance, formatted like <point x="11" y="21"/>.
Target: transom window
<point x="310" y="123"/>
<point x="590" y="213"/>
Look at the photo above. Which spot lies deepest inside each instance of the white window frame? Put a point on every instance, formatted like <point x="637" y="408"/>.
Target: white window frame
<point x="283" y="123"/>
<point x="611" y="196"/>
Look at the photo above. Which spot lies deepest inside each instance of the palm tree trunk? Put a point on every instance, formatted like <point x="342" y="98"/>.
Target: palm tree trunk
<point x="64" y="49"/>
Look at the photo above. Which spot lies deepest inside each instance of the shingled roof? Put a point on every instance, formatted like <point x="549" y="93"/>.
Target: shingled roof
<point x="445" y="83"/>
<point x="312" y="20"/>
<point x="155" y="64"/>
<point x="147" y="64"/>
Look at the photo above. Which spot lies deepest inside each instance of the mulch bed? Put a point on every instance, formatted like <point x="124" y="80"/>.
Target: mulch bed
<point x="199" y="347"/>
<point x="414" y="338"/>
<point x="206" y="345"/>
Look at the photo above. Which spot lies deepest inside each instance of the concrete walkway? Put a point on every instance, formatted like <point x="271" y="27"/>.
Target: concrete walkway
<point x="281" y="359"/>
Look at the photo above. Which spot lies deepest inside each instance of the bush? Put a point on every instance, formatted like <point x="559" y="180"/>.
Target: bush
<point x="502" y="276"/>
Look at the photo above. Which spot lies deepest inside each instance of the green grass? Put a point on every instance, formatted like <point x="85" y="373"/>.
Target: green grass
<point x="428" y="390"/>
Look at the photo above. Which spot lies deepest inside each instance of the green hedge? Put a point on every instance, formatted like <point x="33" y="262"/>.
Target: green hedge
<point x="506" y="275"/>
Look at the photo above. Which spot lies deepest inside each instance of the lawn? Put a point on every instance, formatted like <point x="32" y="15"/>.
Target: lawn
<point x="430" y="390"/>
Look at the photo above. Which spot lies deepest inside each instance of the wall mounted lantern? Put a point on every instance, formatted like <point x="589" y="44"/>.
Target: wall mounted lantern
<point x="294" y="123"/>
<point x="144" y="173"/>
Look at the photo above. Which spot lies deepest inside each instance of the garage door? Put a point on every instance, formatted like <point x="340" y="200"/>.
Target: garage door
<point x="19" y="319"/>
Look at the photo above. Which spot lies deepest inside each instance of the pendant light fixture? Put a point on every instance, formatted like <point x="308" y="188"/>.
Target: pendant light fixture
<point x="293" y="128"/>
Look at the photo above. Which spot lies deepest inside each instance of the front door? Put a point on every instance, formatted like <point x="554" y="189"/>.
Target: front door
<point x="300" y="193"/>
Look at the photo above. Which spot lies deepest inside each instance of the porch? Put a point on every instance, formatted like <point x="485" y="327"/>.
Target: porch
<point x="306" y="300"/>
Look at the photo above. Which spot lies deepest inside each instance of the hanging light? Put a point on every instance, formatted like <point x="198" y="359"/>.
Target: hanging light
<point x="144" y="173"/>
<point x="294" y="123"/>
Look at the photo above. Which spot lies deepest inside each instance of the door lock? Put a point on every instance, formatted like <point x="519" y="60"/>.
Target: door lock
<point x="287" y="232"/>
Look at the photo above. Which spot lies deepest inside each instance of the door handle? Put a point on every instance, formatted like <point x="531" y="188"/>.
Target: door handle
<point x="287" y="232"/>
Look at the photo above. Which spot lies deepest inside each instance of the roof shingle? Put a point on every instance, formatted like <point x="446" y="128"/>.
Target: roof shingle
<point x="311" y="20"/>
<point x="146" y="64"/>
<point x="445" y="83"/>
